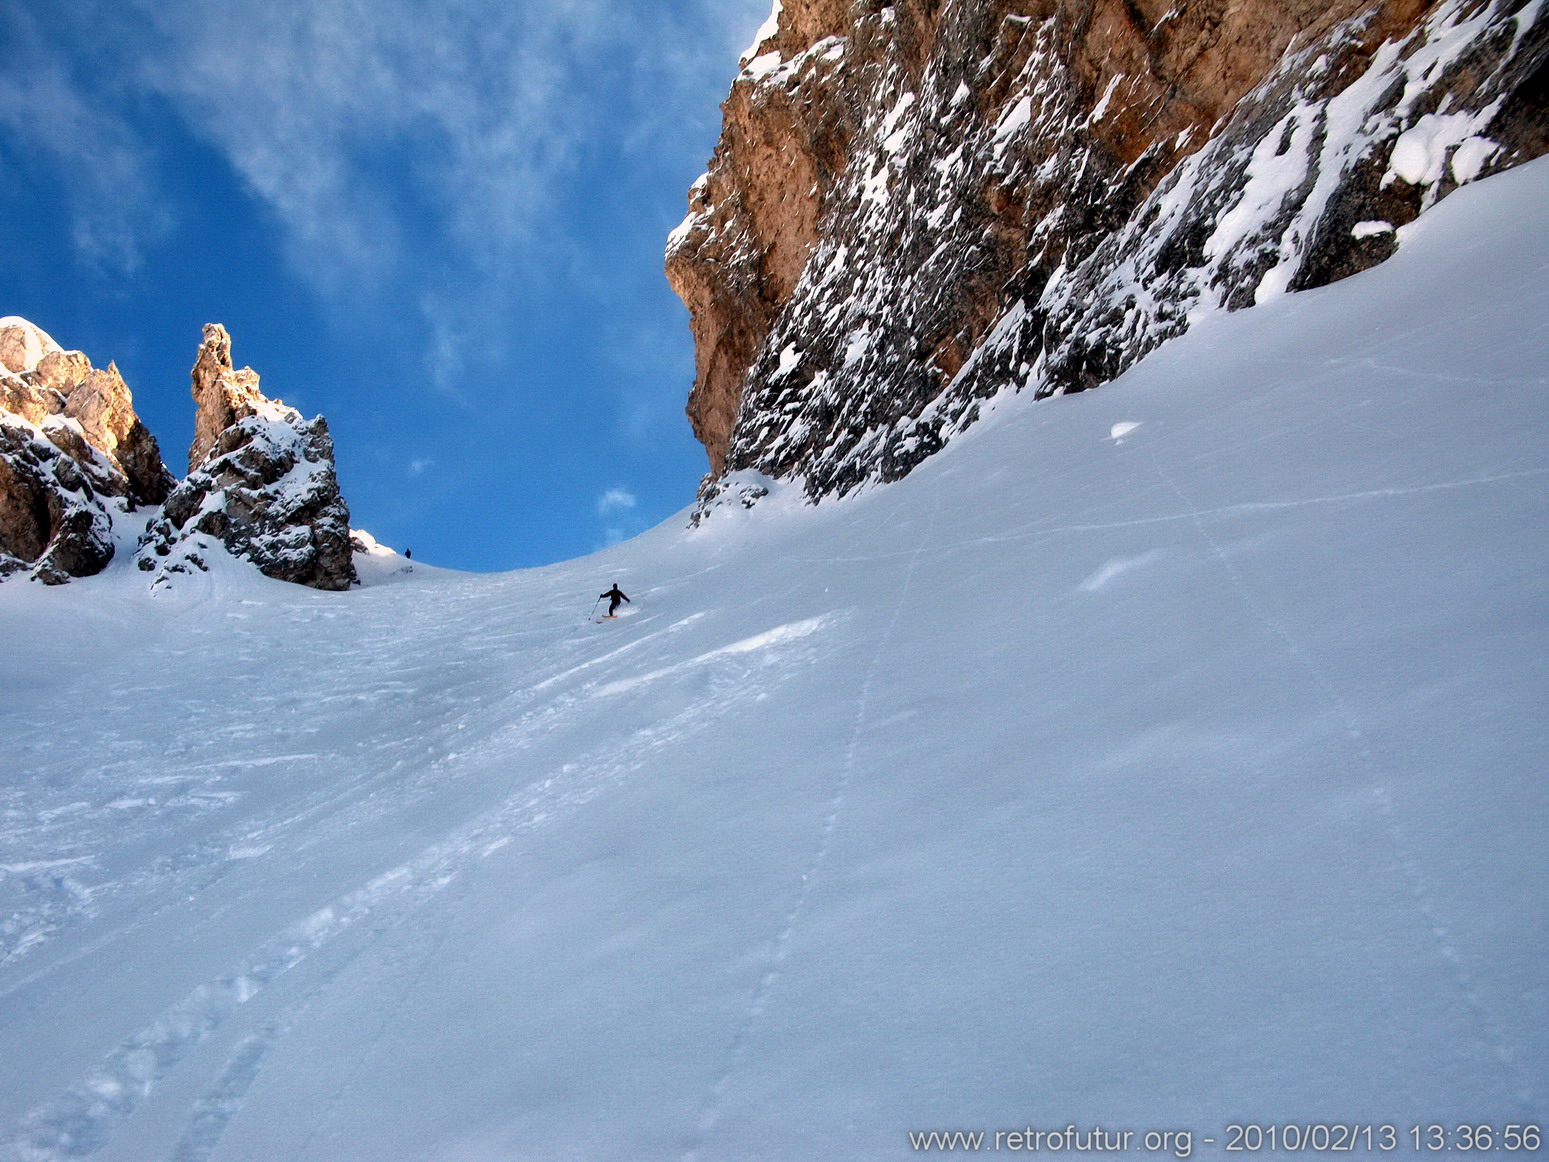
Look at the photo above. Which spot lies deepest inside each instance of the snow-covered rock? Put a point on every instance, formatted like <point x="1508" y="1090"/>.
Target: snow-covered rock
<point x="1164" y="758"/>
<point x="376" y="563"/>
<point x="39" y="380"/>
<point x="73" y="457"/>
<point x="23" y="344"/>
<point x="917" y="207"/>
<point x="261" y="484"/>
<point x="742" y="489"/>
<point x="76" y="462"/>
<point x="53" y="524"/>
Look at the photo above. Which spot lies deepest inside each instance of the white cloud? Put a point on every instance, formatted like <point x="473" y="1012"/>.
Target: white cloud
<point x="615" y="500"/>
<point x="314" y="104"/>
<point x="395" y="140"/>
<point x="394" y="144"/>
<point x="418" y="466"/>
<point x="449" y="336"/>
<point x="106" y="172"/>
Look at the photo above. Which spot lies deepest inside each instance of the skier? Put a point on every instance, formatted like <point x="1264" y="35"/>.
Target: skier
<point x="614" y="596"/>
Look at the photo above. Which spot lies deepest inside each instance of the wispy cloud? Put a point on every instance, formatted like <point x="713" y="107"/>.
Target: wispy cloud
<point x="615" y="500"/>
<point x="448" y="338"/>
<point x="392" y="138"/>
<point x="393" y="144"/>
<point x="105" y="171"/>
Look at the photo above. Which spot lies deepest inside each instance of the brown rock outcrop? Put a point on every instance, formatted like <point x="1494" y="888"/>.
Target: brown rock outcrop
<point x="72" y="454"/>
<point x="22" y="345"/>
<point x="261" y="484"/>
<point x="46" y="381"/>
<point x="917" y="205"/>
<point x="75" y="461"/>
<point x="222" y="394"/>
<point x="53" y="524"/>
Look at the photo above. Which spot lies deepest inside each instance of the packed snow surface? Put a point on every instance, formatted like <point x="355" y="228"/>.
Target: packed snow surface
<point x="1158" y="783"/>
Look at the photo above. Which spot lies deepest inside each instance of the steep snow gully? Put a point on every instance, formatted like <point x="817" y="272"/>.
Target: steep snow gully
<point x="1158" y="758"/>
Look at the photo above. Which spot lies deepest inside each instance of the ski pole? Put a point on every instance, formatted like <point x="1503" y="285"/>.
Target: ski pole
<point x="593" y="613"/>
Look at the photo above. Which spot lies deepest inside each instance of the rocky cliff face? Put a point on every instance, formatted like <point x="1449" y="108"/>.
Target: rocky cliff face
<point x="81" y="477"/>
<point x="74" y="458"/>
<point x="261" y="483"/>
<point x="916" y="206"/>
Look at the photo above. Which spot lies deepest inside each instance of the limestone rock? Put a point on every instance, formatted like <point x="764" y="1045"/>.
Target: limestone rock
<point x="223" y="395"/>
<point x="261" y="485"/>
<point x="100" y="402"/>
<point x="41" y="380"/>
<point x="73" y="456"/>
<point x="75" y="461"/>
<point x="22" y="345"/>
<point x="53" y="522"/>
<point x="61" y="371"/>
<point x="22" y="396"/>
<point x="915" y="206"/>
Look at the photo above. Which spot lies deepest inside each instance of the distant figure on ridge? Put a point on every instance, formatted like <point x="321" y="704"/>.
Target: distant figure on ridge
<point x="614" y="596"/>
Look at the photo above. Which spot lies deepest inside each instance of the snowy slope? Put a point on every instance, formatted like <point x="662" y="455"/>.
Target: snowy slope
<point x="1158" y="781"/>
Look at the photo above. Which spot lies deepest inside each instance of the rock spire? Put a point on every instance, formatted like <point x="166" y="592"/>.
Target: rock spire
<point x="261" y="485"/>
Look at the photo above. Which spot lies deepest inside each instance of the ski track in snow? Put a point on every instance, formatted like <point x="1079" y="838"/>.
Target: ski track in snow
<point x="80" y="1120"/>
<point x="199" y="865"/>
<point x="194" y="788"/>
<point x="214" y="1110"/>
<point x="713" y="1102"/>
<point x="1493" y="1037"/>
<point x="443" y="928"/>
<point x="200" y="953"/>
<point x="212" y="1113"/>
<point x="1038" y="535"/>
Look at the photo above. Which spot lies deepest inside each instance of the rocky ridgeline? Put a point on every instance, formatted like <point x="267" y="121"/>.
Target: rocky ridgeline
<point x="82" y="478"/>
<point x="917" y="206"/>
<point x="74" y="458"/>
<point x="261" y="483"/>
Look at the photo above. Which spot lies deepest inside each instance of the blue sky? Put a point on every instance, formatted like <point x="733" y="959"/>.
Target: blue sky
<point x="439" y="224"/>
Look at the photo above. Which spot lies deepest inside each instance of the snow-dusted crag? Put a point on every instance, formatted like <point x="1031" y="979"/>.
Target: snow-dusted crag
<point x="1230" y="809"/>
<point x="81" y="478"/>
<point x="74" y="458"/>
<point x="261" y="485"/>
<point x="916" y="206"/>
